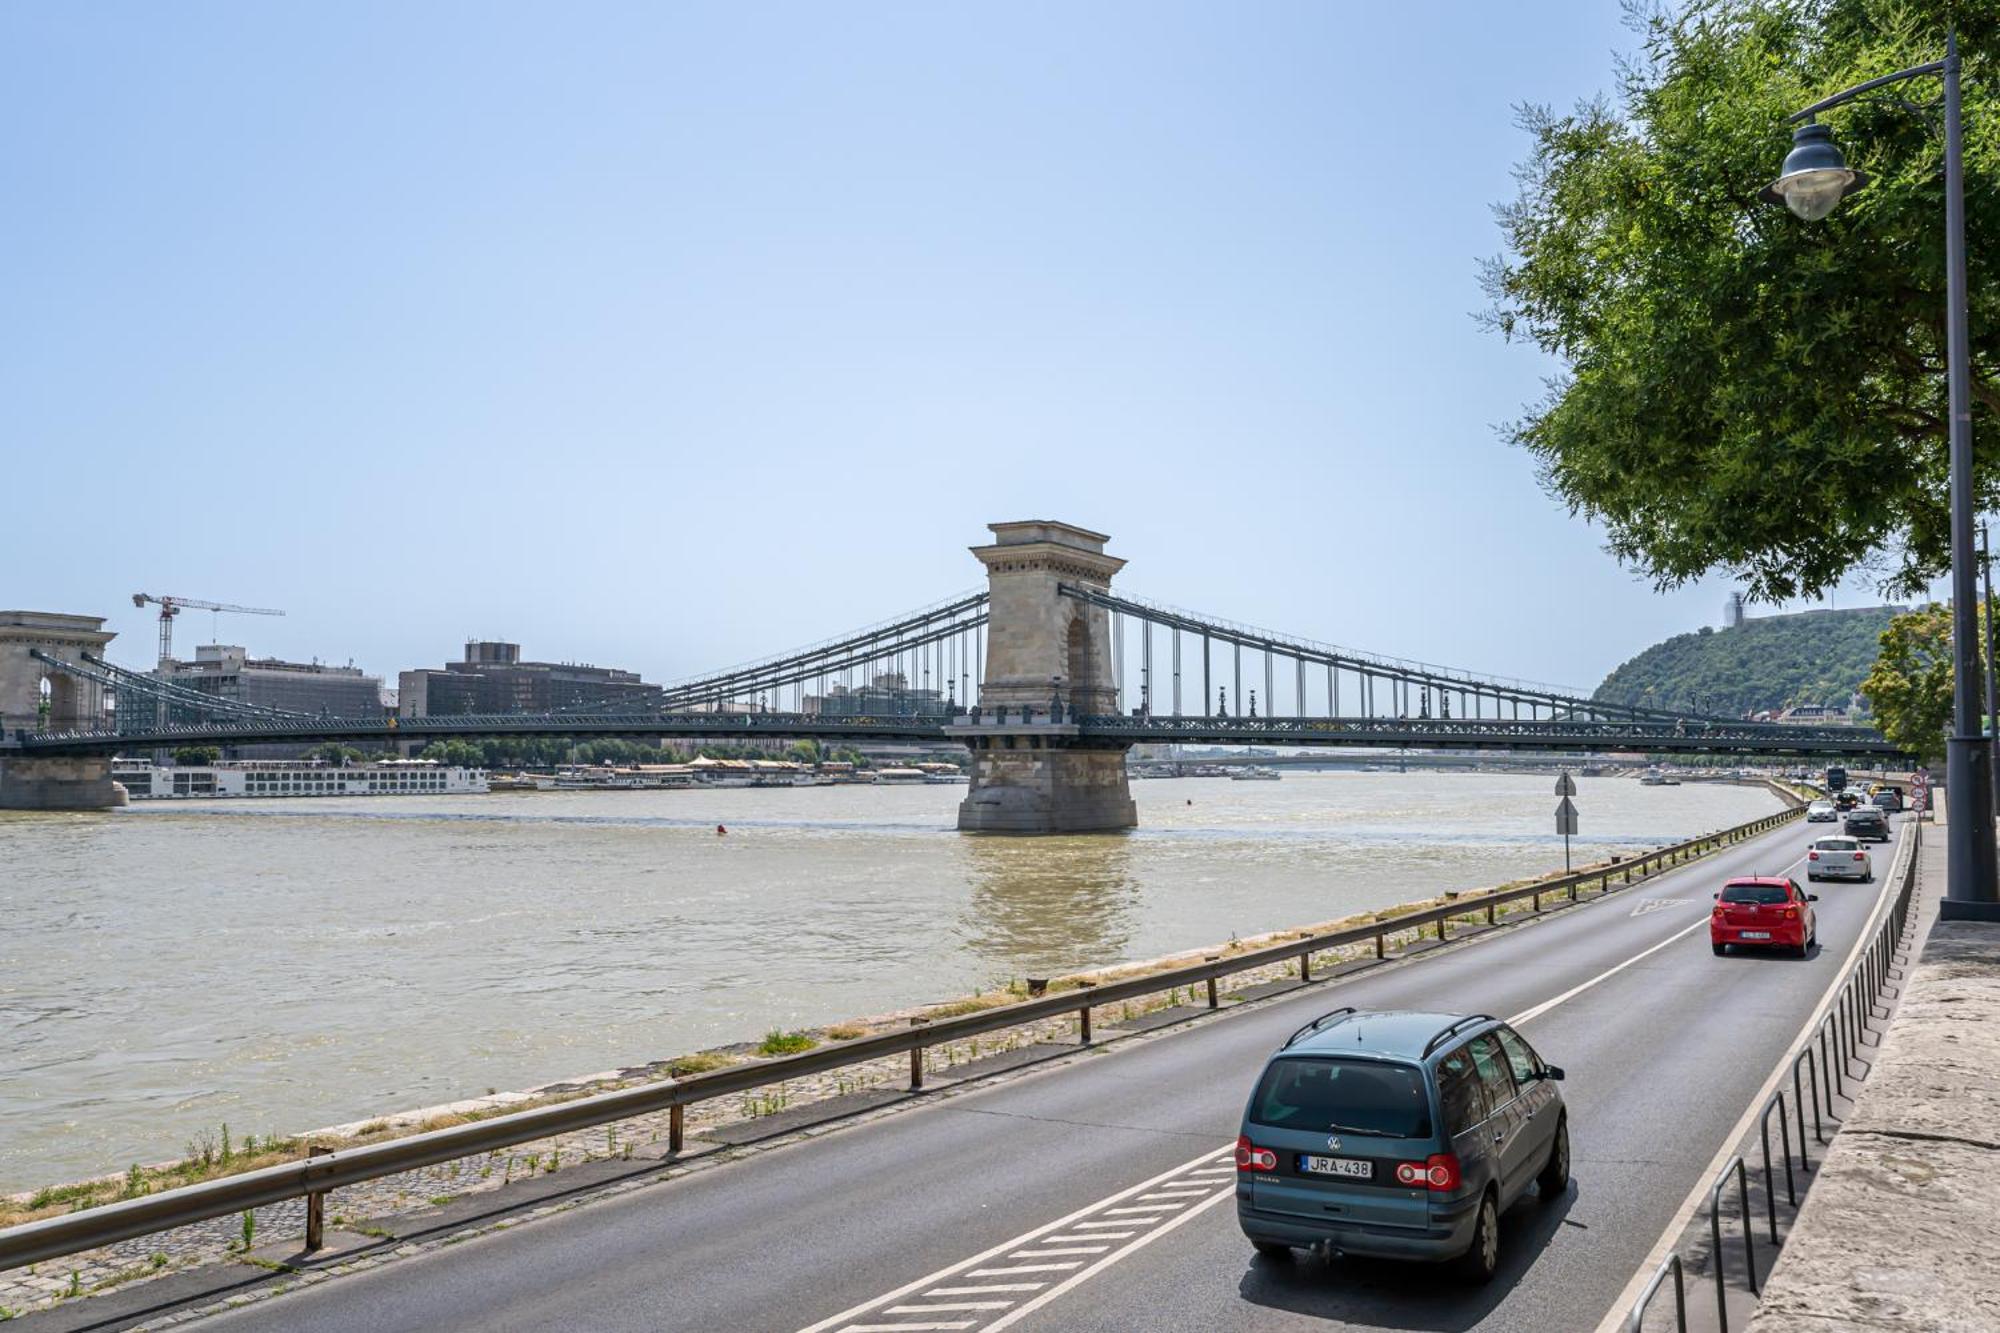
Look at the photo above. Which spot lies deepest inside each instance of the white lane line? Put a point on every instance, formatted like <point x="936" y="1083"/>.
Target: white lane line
<point x="1150" y="1210"/>
<point x="1206" y="1156"/>
<point x="980" y="1291"/>
<point x="1088" y="1226"/>
<point x="933" y="1327"/>
<point x="1048" y="1250"/>
<point x="1089" y="1235"/>
<point x="1174" y="1194"/>
<point x="1022" y="1311"/>
<point x="947" y="1307"/>
<point x="1024" y="1268"/>
<point x="1529" y="1015"/>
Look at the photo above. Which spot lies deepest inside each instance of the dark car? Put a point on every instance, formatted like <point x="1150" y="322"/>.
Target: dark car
<point x="1889" y="800"/>
<point x="1867" y="822"/>
<point x="1399" y="1135"/>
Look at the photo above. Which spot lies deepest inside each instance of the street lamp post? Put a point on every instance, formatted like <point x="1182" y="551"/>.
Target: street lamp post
<point x="1814" y="180"/>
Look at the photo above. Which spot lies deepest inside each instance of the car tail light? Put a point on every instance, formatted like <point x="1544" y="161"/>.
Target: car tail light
<point x="1812" y="856"/>
<point x="1440" y="1172"/>
<point x="1860" y="855"/>
<point x="1791" y="913"/>
<point x="1249" y="1157"/>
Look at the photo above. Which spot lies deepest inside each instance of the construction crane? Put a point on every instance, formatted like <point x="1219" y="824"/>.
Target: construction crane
<point x="173" y="606"/>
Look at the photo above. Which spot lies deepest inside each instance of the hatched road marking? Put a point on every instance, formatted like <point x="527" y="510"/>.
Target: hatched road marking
<point x="1183" y="1192"/>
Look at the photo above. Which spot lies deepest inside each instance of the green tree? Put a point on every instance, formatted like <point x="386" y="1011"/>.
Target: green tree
<point x="334" y="753"/>
<point x="1910" y="685"/>
<point x="197" y="754"/>
<point x="1744" y="390"/>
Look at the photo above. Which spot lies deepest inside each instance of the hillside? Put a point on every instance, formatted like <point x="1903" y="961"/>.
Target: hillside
<point x="1811" y="657"/>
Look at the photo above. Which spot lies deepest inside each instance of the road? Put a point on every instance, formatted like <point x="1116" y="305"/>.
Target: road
<point x="1096" y="1196"/>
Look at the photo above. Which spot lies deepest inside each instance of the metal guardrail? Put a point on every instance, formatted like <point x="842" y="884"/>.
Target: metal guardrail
<point x="1838" y="1035"/>
<point x="311" y="1178"/>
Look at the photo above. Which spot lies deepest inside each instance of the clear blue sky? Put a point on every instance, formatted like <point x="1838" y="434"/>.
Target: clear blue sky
<point x="668" y="335"/>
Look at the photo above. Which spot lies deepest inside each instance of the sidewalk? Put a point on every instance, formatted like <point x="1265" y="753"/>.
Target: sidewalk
<point x="1898" y="1231"/>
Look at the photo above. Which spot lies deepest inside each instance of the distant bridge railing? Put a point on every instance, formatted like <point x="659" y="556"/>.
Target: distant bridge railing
<point x="1603" y="735"/>
<point x="1651" y="736"/>
<point x="311" y="1177"/>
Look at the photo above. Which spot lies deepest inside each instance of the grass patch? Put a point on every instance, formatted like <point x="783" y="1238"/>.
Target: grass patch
<point x="701" y="1062"/>
<point x="777" y="1042"/>
<point x="846" y="1031"/>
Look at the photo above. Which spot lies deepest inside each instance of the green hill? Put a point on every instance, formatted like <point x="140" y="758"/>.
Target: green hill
<point x="1811" y="657"/>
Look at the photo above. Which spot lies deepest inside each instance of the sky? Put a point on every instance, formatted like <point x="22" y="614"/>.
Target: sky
<point x="671" y="336"/>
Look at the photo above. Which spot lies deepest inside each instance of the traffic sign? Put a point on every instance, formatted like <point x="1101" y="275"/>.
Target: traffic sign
<point x="1566" y="817"/>
<point x="1565" y="784"/>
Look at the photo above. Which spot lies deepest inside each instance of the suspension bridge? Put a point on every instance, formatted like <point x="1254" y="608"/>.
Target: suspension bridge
<point x="1046" y="675"/>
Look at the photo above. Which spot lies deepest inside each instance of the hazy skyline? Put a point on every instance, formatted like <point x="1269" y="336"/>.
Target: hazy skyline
<point x="668" y="339"/>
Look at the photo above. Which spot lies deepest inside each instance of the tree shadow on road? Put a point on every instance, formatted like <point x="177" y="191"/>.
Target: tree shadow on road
<point x="1386" y="1293"/>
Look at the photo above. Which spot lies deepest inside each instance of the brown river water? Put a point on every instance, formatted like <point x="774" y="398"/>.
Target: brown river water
<point x="285" y="964"/>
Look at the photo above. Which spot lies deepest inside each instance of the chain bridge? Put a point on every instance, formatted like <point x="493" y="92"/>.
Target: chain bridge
<point x="1046" y="675"/>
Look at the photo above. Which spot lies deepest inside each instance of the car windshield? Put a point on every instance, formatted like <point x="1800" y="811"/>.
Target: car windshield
<point x="1332" y="1096"/>
<point x="1755" y="893"/>
<point x="1836" y="845"/>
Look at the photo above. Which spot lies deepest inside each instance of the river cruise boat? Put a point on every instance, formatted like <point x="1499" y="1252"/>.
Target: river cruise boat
<point x="1255" y="773"/>
<point x="288" y="777"/>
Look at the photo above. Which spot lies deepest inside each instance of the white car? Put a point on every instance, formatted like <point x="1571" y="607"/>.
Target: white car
<point x="1839" y="858"/>
<point x="1821" y="812"/>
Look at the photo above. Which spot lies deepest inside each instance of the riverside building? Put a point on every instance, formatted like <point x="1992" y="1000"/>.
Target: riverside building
<point x="492" y="678"/>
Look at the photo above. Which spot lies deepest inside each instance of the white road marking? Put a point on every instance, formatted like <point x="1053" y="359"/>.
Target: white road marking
<point x="931" y="1327"/>
<point x="1013" y="1243"/>
<point x="948" y="1307"/>
<point x="1022" y="1311"/>
<point x="1181" y="1187"/>
<point x="991" y="1286"/>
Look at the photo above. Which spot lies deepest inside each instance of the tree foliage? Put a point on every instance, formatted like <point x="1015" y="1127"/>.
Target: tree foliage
<point x="1767" y="662"/>
<point x="196" y="755"/>
<point x="1743" y="390"/>
<point x="1911" y="683"/>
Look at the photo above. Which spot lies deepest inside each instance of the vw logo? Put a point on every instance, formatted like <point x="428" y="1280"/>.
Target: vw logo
<point x="1333" y="1143"/>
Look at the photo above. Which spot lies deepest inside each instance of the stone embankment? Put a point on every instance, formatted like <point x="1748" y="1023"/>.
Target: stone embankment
<point x="1897" y="1233"/>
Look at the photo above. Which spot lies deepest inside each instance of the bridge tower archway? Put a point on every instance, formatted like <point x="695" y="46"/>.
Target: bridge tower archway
<point x="35" y="696"/>
<point x="1048" y="662"/>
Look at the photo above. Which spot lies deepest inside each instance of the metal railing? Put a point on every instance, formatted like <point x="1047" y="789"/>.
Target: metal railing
<point x="1834" y="1042"/>
<point x="312" y="1177"/>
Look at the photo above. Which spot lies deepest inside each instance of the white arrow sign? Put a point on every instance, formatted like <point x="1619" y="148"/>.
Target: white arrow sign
<point x="1565" y="785"/>
<point x="1566" y="817"/>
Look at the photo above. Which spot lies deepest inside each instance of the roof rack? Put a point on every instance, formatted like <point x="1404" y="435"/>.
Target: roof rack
<point x="1317" y="1024"/>
<point x="1444" y="1036"/>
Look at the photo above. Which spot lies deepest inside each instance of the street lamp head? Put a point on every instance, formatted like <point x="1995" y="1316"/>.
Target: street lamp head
<point x="1816" y="176"/>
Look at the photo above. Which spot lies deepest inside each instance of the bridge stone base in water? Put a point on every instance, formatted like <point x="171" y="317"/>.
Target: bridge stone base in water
<point x="54" y="783"/>
<point x="1046" y="790"/>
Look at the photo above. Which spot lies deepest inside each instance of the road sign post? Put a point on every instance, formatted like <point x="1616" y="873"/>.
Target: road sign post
<point x="1566" y="813"/>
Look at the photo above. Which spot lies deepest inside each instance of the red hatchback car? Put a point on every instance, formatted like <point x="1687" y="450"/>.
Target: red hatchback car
<point x="1766" y="912"/>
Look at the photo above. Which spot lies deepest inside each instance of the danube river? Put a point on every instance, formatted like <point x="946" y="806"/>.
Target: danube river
<point x="285" y="964"/>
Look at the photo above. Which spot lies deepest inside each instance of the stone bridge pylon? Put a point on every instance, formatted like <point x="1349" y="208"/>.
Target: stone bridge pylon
<point x="35" y="696"/>
<point x="1048" y="662"/>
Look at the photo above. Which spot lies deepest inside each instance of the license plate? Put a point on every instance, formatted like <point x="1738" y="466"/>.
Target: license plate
<point x="1357" y="1168"/>
<point x="1756" y="934"/>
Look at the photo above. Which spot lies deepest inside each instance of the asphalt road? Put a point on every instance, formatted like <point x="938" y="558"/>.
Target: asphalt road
<point x="1095" y="1196"/>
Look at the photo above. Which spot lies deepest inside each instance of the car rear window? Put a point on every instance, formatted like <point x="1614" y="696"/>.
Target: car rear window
<point x="1333" y="1096"/>
<point x="1836" y="845"/>
<point x="1755" y="893"/>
